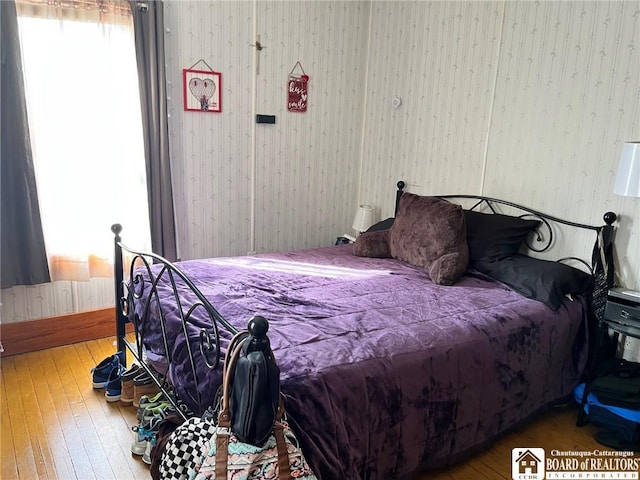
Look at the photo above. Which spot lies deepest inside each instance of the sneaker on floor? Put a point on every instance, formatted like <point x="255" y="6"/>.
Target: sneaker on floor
<point x="127" y="383"/>
<point x="113" y="386"/>
<point x="161" y="411"/>
<point x="143" y="385"/>
<point x="150" y="401"/>
<point x="146" y="409"/>
<point x="141" y="433"/>
<point x="139" y="444"/>
<point x="101" y="372"/>
<point x="149" y="409"/>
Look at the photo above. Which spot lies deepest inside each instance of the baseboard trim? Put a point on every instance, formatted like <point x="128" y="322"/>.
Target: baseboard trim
<point x="23" y="337"/>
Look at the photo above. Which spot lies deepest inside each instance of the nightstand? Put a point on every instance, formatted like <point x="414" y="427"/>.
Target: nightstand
<point x="622" y="317"/>
<point x="622" y="311"/>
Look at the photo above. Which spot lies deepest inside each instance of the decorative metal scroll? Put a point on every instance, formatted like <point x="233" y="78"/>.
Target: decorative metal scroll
<point x="139" y="302"/>
<point x="602" y="255"/>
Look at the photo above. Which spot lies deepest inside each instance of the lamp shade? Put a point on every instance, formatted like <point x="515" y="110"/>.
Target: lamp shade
<point x="364" y="218"/>
<point x="628" y="178"/>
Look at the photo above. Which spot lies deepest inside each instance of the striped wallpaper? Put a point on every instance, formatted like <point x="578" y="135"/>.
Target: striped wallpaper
<point x="528" y="101"/>
<point x="305" y="167"/>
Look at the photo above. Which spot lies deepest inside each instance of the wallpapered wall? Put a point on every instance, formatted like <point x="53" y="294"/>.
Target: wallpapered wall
<point x="307" y="164"/>
<point x="210" y="151"/>
<point x="567" y="97"/>
<point x="528" y="101"/>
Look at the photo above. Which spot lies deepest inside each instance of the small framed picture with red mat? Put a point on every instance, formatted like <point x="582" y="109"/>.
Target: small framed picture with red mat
<point x="202" y="90"/>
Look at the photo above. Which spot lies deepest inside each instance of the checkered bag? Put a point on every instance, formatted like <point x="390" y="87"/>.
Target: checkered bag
<point x="183" y="451"/>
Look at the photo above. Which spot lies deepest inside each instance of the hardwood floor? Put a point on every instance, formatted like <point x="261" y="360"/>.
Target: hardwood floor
<point x="56" y="426"/>
<point x="554" y="430"/>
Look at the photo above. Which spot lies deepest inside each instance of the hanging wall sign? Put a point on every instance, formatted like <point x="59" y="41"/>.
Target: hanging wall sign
<point x="297" y="86"/>
<point x="202" y="89"/>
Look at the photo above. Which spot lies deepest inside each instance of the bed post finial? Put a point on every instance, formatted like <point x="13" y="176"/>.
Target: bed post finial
<point x="258" y="326"/>
<point x="609" y="218"/>
<point x="116" y="228"/>
<point x="258" y="340"/>
<point x="399" y="193"/>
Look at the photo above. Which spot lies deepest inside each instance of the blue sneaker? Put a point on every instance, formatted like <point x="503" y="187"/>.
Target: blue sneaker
<point x="113" y="386"/>
<point x="100" y="373"/>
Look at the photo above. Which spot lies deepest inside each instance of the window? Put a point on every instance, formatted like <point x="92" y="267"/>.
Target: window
<point x="86" y="131"/>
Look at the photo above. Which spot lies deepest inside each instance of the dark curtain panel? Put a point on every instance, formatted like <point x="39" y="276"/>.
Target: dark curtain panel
<point x="148" y="22"/>
<point x="23" y="255"/>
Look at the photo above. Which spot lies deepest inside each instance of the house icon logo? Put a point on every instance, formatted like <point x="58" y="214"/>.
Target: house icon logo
<point x="527" y="463"/>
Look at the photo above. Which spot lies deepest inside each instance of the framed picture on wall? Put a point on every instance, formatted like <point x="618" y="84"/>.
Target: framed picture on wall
<point x="202" y="90"/>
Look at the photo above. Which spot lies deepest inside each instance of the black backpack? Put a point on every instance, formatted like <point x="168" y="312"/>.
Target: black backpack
<point x="255" y="388"/>
<point x="618" y="384"/>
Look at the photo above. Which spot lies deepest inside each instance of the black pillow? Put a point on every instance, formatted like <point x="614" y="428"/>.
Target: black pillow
<point x="542" y="280"/>
<point x="494" y="236"/>
<point x="382" y="225"/>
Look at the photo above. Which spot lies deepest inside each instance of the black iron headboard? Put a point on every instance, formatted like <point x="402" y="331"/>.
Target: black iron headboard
<point x="602" y="257"/>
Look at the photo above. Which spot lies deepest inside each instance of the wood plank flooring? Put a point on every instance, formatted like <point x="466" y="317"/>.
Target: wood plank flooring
<point x="54" y="425"/>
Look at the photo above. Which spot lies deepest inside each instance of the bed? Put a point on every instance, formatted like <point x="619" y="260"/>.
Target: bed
<point x="384" y="372"/>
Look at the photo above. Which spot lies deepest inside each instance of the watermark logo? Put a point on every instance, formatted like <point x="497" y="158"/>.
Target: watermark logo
<point x="527" y="463"/>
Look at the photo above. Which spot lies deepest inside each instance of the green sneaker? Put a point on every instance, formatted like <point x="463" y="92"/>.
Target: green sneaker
<point x="161" y="411"/>
<point x="146" y="399"/>
<point x="150" y="402"/>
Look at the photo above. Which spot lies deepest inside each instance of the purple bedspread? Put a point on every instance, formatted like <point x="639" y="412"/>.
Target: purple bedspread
<point x="382" y="370"/>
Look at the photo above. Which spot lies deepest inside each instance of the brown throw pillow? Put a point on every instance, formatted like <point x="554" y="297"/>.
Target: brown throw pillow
<point x="373" y="244"/>
<point x="430" y="232"/>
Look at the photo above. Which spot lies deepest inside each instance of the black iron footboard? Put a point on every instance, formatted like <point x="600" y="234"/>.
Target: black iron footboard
<point x="137" y="301"/>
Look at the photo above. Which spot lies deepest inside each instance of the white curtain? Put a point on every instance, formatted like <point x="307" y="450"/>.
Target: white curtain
<point x="84" y="111"/>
